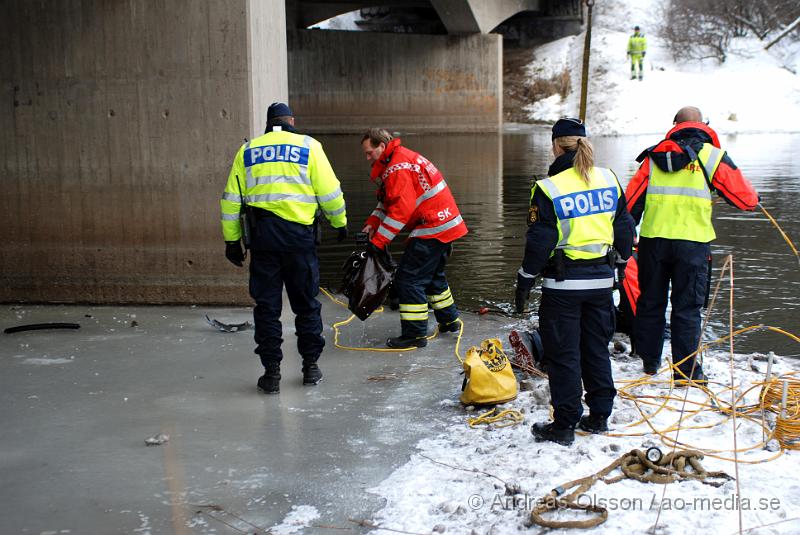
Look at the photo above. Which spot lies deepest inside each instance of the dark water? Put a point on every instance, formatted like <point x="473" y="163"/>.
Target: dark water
<point x="490" y="176"/>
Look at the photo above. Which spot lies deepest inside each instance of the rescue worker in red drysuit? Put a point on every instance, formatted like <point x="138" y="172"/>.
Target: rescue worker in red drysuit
<point x="412" y="194"/>
<point x="671" y="195"/>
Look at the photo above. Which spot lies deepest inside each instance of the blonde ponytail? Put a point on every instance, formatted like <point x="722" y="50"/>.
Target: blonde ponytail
<point x="584" y="153"/>
<point x="584" y="158"/>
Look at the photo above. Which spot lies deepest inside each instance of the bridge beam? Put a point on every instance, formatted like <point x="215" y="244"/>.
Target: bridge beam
<point x="459" y="16"/>
<point x="479" y="16"/>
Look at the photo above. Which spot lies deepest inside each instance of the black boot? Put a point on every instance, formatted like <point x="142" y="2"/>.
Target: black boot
<point x="650" y="366"/>
<point x="312" y="375"/>
<point x="698" y="378"/>
<point x="451" y="327"/>
<point x="594" y="423"/>
<point x="403" y="342"/>
<point x="270" y="382"/>
<point x="549" y="432"/>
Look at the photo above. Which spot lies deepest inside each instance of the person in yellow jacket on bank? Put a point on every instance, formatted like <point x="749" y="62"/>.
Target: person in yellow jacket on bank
<point x="637" y="49"/>
<point x="285" y="178"/>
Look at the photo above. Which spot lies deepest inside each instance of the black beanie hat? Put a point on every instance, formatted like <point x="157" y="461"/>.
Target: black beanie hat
<point x="568" y="127"/>
<point x="278" y="109"/>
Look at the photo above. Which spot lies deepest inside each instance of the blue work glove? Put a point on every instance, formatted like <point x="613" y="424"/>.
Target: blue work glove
<point x="234" y="253"/>
<point x="342" y="235"/>
<point x="523" y="293"/>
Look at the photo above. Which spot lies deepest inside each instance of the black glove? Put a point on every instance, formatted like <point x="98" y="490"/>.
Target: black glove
<point x="342" y="235"/>
<point x="234" y="253"/>
<point x="380" y="254"/>
<point x="523" y="293"/>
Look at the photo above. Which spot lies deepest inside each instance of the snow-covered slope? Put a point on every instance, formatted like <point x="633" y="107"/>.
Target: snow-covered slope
<point x="753" y="91"/>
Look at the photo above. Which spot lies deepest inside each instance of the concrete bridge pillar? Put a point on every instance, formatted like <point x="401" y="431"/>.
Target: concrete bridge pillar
<point x="348" y="81"/>
<point x="120" y="120"/>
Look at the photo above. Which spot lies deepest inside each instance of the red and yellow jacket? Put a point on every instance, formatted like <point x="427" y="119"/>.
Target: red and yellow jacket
<point x="670" y="154"/>
<point x="412" y="193"/>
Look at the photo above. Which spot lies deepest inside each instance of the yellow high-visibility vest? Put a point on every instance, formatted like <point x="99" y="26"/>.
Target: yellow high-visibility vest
<point x="287" y="174"/>
<point x="585" y="212"/>
<point x="637" y="44"/>
<point x="678" y="204"/>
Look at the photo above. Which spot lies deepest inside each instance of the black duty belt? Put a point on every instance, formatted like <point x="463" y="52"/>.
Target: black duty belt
<point x="260" y="213"/>
<point x="603" y="260"/>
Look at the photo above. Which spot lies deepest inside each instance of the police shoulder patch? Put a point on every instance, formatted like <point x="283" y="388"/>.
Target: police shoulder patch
<point x="533" y="215"/>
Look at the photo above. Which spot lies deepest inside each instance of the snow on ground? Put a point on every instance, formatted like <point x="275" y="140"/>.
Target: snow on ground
<point x="454" y="497"/>
<point x="46" y="361"/>
<point x="753" y="91"/>
<point x="296" y="521"/>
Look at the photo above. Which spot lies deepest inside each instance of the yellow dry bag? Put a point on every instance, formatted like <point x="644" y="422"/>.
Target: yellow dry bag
<point x="488" y="377"/>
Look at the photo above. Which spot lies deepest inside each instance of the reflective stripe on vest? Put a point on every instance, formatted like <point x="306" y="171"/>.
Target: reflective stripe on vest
<point x="678" y="204"/>
<point x="429" y="231"/>
<point x="282" y="153"/>
<point x="386" y="233"/>
<point x="589" y="209"/>
<point x="279" y="153"/>
<point x="578" y="284"/>
<point x="379" y="212"/>
<point x="393" y="222"/>
<point x="385" y="229"/>
<point x="287" y="174"/>
<point x="431" y="192"/>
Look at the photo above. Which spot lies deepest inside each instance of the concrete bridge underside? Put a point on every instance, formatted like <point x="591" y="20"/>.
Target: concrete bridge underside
<point x="120" y="125"/>
<point x="458" y="16"/>
<point x="348" y="81"/>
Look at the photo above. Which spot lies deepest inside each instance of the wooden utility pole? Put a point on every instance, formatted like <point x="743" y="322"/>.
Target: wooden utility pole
<point x="587" y="48"/>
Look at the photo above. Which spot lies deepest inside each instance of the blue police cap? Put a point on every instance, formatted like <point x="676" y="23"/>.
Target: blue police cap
<point x="568" y="127"/>
<point x="278" y="109"/>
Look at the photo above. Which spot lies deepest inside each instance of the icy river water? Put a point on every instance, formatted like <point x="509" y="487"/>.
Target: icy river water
<point x="490" y="176"/>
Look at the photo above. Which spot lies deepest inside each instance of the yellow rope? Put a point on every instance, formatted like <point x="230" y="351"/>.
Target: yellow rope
<point x="787" y="427"/>
<point x="337" y="301"/>
<point x="787" y="421"/>
<point x="676" y="466"/>
<point x="339" y="324"/>
<point x="783" y="234"/>
<point x="508" y="418"/>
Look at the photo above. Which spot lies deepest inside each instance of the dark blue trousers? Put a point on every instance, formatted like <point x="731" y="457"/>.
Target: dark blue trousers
<point x="576" y="328"/>
<point x="684" y="265"/>
<point x="299" y="271"/>
<point x="419" y="280"/>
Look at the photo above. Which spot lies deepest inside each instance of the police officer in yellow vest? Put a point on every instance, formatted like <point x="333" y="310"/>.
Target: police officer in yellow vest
<point x="577" y="217"/>
<point x="637" y="49"/>
<point x="285" y="178"/>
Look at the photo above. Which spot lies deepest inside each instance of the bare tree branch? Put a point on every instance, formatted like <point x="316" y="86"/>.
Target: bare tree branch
<point x="784" y="33"/>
